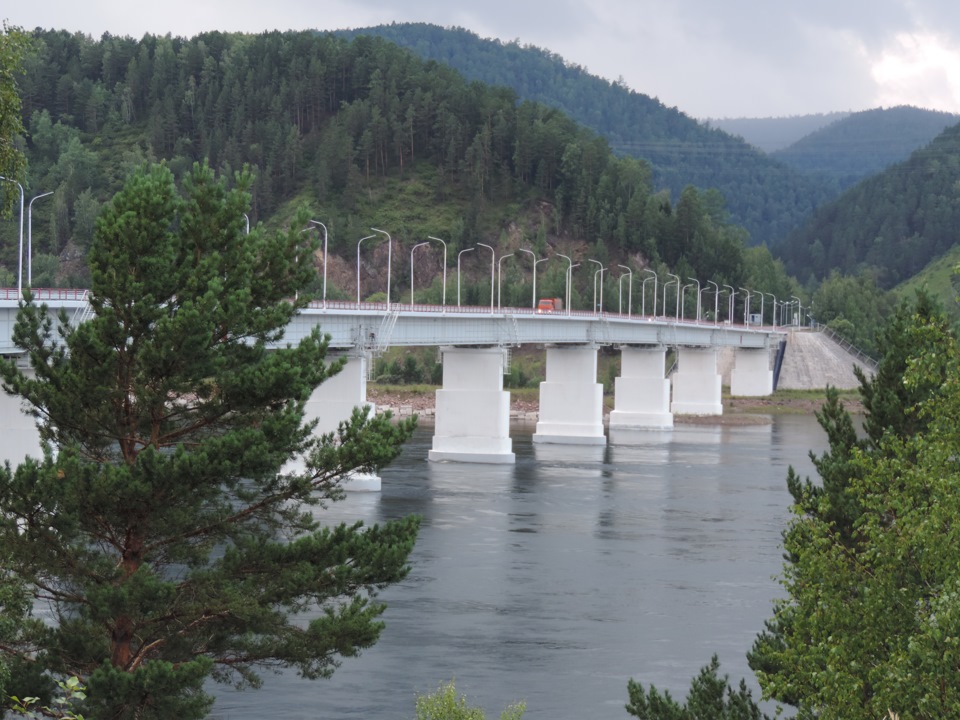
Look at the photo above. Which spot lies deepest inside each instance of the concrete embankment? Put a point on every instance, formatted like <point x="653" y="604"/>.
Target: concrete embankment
<point x="813" y="360"/>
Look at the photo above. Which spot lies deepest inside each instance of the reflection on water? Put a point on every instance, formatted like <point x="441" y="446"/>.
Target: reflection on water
<point x="557" y="579"/>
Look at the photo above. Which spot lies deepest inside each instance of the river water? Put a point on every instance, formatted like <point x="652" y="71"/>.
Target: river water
<point x="556" y="580"/>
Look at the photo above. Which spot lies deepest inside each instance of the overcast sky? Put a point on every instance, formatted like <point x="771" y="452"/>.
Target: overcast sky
<point x="709" y="58"/>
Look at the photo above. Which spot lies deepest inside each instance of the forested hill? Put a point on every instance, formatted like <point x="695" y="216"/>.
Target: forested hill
<point x="893" y="223"/>
<point x="764" y="196"/>
<point x="864" y="143"/>
<point x="775" y="133"/>
<point x="364" y="132"/>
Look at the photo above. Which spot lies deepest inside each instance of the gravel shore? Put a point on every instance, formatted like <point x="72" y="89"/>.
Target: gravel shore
<point x="737" y="411"/>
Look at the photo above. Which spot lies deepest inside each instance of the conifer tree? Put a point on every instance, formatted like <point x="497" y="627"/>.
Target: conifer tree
<point x="160" y="527"/>
<point x="894" y="400"/>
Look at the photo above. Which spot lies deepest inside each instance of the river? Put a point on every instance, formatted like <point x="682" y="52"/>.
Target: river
<point x="556" y="580"/>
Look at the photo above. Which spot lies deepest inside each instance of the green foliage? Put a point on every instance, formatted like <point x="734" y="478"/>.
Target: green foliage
<point x="766" y="197"/>
<point x="710" y="698"/>
<point x="71" y="691"/>
<point x="870" y="572"/>
<point x="161" y="524"/>
<point x="445" y="704"/>
<point x="892" y="224"/>
<point x="854" y="307"/>
<point x="14" y="45"/>
<point x="404" y="141"/>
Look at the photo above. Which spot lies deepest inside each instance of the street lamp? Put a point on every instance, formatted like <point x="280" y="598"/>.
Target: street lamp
<point x="411" y="269"/>
<point x="316" y="222"/>
<point x="698" y="296"/>
<point x="30" y="237"/>
<point x="247" y="218"/>
<point x="389" y="260"/>
<point x="493" y="261"/>
<point x="500" y="275"/>
<point x="368" y="237"/>
<point x="569" y="278"/>
<point x="683" y="300"/>
<point x="716" y="302"/>
<point x="730" y="302"/>
<point x="629" y="291"/>
<point x="773" y="313"/>
<point x="643" y="310"/>
<point x="797" y="316"/>
<point x="677" y="308"/>
<point x="20" y="269"/>
<point x="746" y="307"/>
<point x="533" y="255"/>
<point x="443" y="302"/>
<point x="598" y="272"/>
<point x="458" y="271"/>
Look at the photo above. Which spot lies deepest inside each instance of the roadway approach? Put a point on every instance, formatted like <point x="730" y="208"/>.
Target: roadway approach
<point x="472" y="420"/>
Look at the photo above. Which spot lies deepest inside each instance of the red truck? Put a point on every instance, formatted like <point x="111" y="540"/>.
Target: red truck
<point x="547" y="305"/>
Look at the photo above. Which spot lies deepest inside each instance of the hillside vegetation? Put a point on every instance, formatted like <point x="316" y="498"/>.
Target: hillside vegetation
<point x="865" y="143"/>
<point x="891" y="224"/>
<point x="366" y="135"/>
<point x="762" y="195"/>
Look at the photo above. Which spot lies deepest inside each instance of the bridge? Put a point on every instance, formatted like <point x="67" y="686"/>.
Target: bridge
<point x="472" y="408"/>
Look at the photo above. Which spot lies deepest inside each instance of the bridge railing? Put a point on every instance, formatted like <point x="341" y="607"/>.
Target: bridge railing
<point x="381" y="307"/>
<point x="81" y="295"/>
<point x="47" y="294"/>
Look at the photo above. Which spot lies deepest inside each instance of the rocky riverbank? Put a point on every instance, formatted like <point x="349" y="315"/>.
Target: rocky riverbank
<point x="737" y="411"/>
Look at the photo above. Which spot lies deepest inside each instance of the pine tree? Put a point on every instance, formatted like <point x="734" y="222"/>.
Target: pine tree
<point x="160" y="526"/>
<point x="894" y="415"/>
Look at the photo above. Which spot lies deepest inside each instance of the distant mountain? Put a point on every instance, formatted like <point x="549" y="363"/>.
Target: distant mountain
<point x="864" y="143"/>
<point x="891" y="224"/>
<point x="766" y="197"/>
<point x="775" y="133"/>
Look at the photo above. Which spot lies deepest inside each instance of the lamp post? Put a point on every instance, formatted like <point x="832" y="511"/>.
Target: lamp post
<point x="698" y="296"/>
<point x="794" y="297"/>
<point x="389" y="260"/>
<point x="358" y="267"/>
<point x="600" y="272"/>
<point x="493" y="262"/>
<point x="533" y="255"/>
<point x="716" y="302"/>
<point x="677" y="308"/>
<point x="411" y="270"/>
<point x="683" y="300"/>
<point x="247" y="218"/>
<point x="315" y="222"/>
<point x="644" y="291"/>
<point x="20" y="268"/>
<point x="458" y="271"/>
<point x="761" y="309"/>
<point x="500" y="275"/>
<point x="773" y="313"/>
<point x="746" y="307"/>
<point x="629" y="291"/>
<point x="443" y="301"/>
<point x="30" y="237"/>
<point x="730" y="302"/>
<point x="569" y="278"/>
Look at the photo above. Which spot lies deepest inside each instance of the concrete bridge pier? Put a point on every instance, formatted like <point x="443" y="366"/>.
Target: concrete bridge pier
<point x="19" y="437"/>
<point x="642" y="393"/>
<point x="571" y="399"/>
<point x="472" y="422"/>
<point x="696" y="384"/>
<point x="752" y="375"/>
<point x="333" y="402"/>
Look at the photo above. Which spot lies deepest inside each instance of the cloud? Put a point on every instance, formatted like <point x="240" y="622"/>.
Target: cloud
<point x="708" y="58"/>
